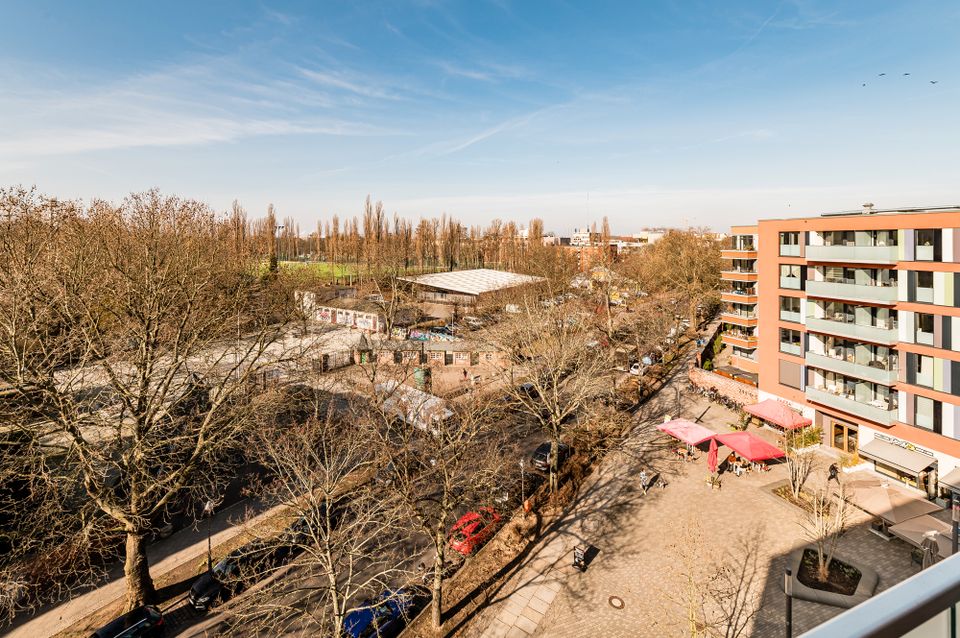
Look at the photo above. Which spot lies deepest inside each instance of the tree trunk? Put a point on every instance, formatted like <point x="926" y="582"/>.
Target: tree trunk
<point x="436" y="607"/>
<point x="136" y="570"/>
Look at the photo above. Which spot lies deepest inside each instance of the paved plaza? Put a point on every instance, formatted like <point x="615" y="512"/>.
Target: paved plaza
<point x="644" y="543"/>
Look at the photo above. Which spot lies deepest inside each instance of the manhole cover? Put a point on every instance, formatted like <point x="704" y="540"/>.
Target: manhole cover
<point x="616" y="602"/>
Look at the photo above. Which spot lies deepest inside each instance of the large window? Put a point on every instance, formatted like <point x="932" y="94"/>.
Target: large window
<point x="791" y="277"/>
<point x="791" y="341"/>
<point x="790" y="309"/>
<point x="928" y="244"/>
<point x="924" y="328"/>
<point x="790" y="244"/>
<point x="927" y="414"/>
<point x="924" y="287"/>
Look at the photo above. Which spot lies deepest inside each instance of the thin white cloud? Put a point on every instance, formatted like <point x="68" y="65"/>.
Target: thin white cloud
<point x="339" y="81"/>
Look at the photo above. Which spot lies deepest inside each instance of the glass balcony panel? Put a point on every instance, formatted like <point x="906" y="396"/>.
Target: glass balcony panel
<point x="852" y="292"/>
<point x="924" y="338"/>
<point x="854" y="331"/>
<point x="925" y="295"/>
<point x="878" y="410"/>
<point x="790" y="283"/>
<point x="790" y="250"/>
<point x="876" y="370"/>
<point x="791" y="348"/>
<point x="853" y="254"/>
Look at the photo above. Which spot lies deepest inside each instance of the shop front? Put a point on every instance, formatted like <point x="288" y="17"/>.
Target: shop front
<point x="902" y="461"/>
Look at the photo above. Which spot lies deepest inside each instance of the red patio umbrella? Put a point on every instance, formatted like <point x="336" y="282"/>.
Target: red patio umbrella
<point x="750" y="446"/>
<point x="712" y="456"/>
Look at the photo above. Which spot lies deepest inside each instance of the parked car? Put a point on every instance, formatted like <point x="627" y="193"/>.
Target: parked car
<point x="142" y="622"/>
<point x="383" y="617"/>
<point x="541" y="456"/>
<point x="473" y="530"/>
<point x="239" y="568"/>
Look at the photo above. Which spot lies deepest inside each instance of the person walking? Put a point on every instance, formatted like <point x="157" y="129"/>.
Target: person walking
<point x="834" y="473"/>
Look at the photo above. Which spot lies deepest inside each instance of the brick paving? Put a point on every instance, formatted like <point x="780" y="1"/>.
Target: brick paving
<point x="637" y="536"/>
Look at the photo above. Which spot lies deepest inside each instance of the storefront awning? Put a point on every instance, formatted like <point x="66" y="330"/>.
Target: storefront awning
<point x="896" y="456"/>
<point x="778" y="413"/>
<point x="952" y="480"/>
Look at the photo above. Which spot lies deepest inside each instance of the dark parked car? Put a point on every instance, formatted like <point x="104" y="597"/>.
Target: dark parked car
<point x="239" y="568"/>
<point x="384" y="617"/>
<point x="140" y="623"/>
<point x="541" y="456"/>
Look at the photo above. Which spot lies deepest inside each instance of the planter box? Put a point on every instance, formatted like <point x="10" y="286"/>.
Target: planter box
<point x="865" y="465"/>
<point x="865" y="588"/>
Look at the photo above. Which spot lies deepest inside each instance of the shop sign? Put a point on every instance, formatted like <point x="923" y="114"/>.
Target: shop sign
<point x="904" y="444"/>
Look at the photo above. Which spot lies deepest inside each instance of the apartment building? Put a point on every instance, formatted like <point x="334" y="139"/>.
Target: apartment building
<point x="739" y="296"/>
<point x="858" y="327"/>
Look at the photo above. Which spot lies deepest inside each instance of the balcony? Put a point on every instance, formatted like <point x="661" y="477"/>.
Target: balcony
<point x="738" y="275"/>
<point x="879" y="411"/>
<point x="873" y="334"/>
<point x="875" y="371"/>
<point x="748" y="319"/>
<point x="791" y="283"/>
<point x="730" y="296"/>
<point x="918" y="606"/>
<point x="852" y="292"/>
<point x="789" y="250"/>
<point x="740" y="339"/>
<point x="790" y="315"/>
<point x="746" y="252"/>
<point x="853" y="254"/>
<point x="791" y="348"/>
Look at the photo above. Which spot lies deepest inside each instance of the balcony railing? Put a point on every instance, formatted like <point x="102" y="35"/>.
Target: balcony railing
<point x="873" y="334"/>
<point x="853" y="292"/>
<point x="791" y="348"/>
<point x="791" y="283"/>
<point x="878" y="411"/>
<point x="790" y="315"/>
<point x="789" y="250"/>
<point x="877" y="370"/>
<point x="919" y="607"/>
<point x="853" y="254"/>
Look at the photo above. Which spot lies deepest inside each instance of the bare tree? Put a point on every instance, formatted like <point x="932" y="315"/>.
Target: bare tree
<point x="799" y="467"/>
<point x="720" y="596"/>
<point x="115" y="335"/>
<point x="824" y="523"/>
<point x="557" y="368"/>
<point x="439" y="459"/>
<point x="346" y="532"/>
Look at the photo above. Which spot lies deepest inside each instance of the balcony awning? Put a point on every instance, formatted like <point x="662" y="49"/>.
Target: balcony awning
<point x="899" y="457"/>
<point x="778" y="413"/>
<point x="952" y="480"/>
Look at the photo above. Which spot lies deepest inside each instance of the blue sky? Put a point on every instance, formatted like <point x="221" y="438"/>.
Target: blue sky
<point x="652" y="113"/>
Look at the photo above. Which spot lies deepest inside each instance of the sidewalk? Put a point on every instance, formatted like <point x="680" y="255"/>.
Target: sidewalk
<point x="183" y="547"/>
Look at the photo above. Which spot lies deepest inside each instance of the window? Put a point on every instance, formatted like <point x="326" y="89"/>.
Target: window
<point x="924" y="331"/>
<point x="790" y="341"/>
<point x="791" y="277"/>
<point x="790" y="309"/>
<point x="928" y="244"/>
<point x="924" y="292"/>
<point x="790" y="244"/>
<point x="924" y="371"/>
<point x="926" y="414"/>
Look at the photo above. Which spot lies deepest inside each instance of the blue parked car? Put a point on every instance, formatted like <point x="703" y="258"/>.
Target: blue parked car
<point x="383" y="617"/>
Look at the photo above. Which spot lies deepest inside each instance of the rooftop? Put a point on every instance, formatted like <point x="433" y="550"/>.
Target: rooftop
<point x="473" y="282"/>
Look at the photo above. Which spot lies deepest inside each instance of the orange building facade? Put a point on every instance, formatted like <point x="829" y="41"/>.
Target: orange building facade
<point x="855" y="322"/>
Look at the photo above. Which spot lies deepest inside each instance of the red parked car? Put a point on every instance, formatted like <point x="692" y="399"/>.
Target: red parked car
<point x="473" y="530"/>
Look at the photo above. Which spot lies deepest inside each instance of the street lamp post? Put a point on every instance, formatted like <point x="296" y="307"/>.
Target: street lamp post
<point x="208" y="512"/>
<point x="788" y="591"/>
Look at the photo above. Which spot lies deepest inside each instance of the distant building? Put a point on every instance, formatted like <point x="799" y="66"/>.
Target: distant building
<point x="468" y="287"/>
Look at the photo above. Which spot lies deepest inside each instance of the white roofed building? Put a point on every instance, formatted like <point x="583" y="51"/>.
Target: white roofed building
<point x="467" y="287"/>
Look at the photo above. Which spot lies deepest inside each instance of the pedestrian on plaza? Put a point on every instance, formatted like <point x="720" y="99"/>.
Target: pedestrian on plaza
<point x="464" y="374"/>
<point x="834" y="473"/>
